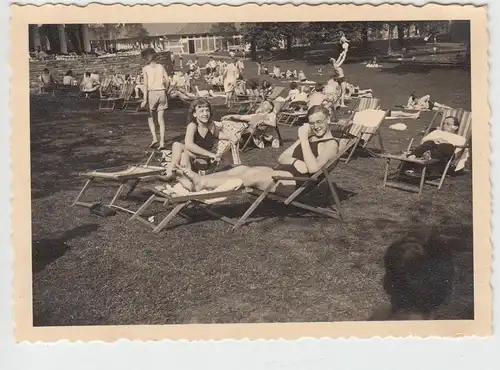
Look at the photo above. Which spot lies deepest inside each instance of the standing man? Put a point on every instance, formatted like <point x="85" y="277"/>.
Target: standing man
<point x="156" y="82"/>
<point x="231" y="74"/>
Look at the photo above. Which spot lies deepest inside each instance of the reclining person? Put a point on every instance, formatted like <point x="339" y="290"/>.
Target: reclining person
<point x="241" y="125"/>
<point x="438" y="144"/>
<point x="314" y="148"/>
<point x="257" y="88"/>
<point x="202" y="136"/>
<point x="424" y="103"/>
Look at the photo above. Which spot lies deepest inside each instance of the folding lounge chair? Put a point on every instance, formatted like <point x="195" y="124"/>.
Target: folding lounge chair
<point x="363" y="126"/>
<point x="290" y="116"/>
<point x="129" y="101"/>
<point x="180" y="203"/>
<point x="121" y="175"/>
<point x="262" y="130"/>
<point x="455" y="163"/>
<point x="308" y="184"/>
<point x="109" y="103"/>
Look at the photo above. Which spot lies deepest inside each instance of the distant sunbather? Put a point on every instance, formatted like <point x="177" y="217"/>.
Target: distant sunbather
<point x="47" y="81"/>
<point x="424" y="103"/>
<point x="438" y="144"/>
<point x="88" y="84"/>
<point x="263" y="118"/>
<point x="314" y="148"/>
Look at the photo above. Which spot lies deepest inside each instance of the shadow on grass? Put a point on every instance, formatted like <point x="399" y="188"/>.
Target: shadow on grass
<point x="46" y="251"/>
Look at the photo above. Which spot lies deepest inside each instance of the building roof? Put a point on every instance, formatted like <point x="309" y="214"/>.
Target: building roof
<point x="185" y="29"/>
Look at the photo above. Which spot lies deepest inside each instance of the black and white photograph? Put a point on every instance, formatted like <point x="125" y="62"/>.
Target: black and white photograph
<point x="251" y="172"/>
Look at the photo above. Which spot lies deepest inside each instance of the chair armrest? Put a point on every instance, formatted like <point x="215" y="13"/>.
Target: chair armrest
<point x="303" y="179"/>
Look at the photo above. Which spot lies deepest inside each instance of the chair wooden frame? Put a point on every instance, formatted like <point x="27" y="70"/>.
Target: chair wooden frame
<point x="112" y="174"/>
<point x="308" y="183"/>
<point x="465" y="130"/>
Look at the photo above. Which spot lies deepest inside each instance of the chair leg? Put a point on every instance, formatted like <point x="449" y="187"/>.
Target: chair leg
<point x="84" y="189"/>
<point x="335" y="195"/>
<point x="445" y="172"/>
<point x="380" y="141"/>
<point x="354" y="147"/>
<point x="422" y="181"/>
<point x="169" y="217"/>
<point x="247" y="141"/>
<point x="253" y="207"/>
<point x="117" y="194"/>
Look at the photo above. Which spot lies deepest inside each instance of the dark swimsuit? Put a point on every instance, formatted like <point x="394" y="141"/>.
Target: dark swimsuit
<point x="208" y="142"/>
<point x="299" y="155"/>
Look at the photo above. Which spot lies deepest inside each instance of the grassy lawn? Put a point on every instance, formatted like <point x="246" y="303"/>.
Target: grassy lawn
<point x="290" y="267"/>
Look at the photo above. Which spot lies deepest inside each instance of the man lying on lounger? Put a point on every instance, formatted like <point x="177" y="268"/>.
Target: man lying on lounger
<point x="245" y="124"/>
<point x="438" y="144"/>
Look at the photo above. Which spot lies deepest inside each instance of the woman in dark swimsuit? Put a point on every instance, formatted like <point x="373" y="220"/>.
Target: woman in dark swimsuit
<point x="202" y="137"/>
<point x="314" y="148"/>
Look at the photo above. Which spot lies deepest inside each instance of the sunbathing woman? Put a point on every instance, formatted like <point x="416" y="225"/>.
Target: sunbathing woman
<point x="314" y="148"/>
<point x="202" y="136"/>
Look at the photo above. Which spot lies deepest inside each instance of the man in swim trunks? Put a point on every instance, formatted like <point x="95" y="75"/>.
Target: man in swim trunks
<point x="156" y="82"/>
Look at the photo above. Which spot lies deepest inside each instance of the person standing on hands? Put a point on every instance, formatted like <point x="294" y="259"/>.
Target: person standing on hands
<point x="156" y="81"/>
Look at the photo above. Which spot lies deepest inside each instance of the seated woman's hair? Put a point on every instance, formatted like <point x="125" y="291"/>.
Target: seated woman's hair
<point x="46" y="70"/>
<point x="319" y="86"/>
<point x="69" y="73"/>
<point x="199" y="103"/>
<point x="87" y="74"/>
<point x="317" y="109"/>
<point x="418" y="273"/>
<point x="456" y="122"/>
<point x="294" y="85"/>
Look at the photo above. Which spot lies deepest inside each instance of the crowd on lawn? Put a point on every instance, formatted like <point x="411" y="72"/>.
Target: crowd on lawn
<point x="320" y="140"/>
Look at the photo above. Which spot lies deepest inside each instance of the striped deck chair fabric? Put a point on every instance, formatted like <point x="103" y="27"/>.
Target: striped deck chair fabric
<point x="364" y="125"/>
<point x="455" y="163"/>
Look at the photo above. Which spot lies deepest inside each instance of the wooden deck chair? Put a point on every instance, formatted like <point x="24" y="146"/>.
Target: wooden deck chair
<point x="201" y="201"/>
<point x="121" y="175"/>
<point x="129" y="101"/>
<point x="291" y="115"/>
<point x="260" y="131"/>
<point x="207" y="200"/>
<point x="105" y="87"/>
<point x="455" y="163"/>
<point x="109" y="103"/>
<point x="363" y="126"/>
<point x="308" y="183"/>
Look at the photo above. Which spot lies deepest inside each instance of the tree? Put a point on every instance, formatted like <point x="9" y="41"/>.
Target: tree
<point x="263" y="36"/>
<point x="134" y="31"/>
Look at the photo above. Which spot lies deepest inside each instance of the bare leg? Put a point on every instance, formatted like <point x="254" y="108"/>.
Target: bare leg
<point x="342" y="94"/>
<point x="161" y="123"/>
<point x="259" y="177"/>
<point x="400" y="114"/>
<point x="177" y="153"/>
<point x="152" y="128"/>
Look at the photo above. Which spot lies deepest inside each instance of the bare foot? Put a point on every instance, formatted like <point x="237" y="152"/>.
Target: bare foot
<point x="186" y="183"/>
<point x="192" y="176"/>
